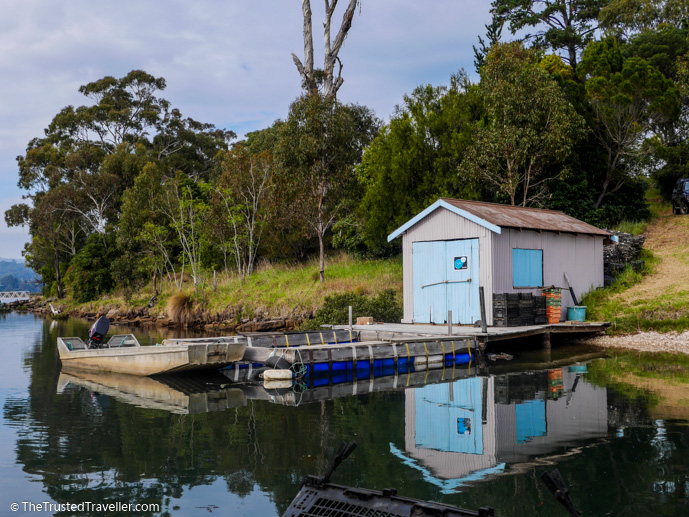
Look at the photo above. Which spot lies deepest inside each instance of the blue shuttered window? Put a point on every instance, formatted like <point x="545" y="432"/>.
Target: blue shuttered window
<point x="527" y="268"/>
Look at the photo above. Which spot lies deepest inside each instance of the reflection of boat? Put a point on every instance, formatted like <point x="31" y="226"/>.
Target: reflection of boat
<point x="183" y="395"/>
<point x="124" y="354"/>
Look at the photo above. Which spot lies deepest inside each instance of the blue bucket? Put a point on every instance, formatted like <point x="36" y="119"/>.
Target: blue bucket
<point x="576" y="313"/>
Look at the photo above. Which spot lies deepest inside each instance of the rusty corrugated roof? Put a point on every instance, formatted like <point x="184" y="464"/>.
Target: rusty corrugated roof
<point x="507" y="216"/>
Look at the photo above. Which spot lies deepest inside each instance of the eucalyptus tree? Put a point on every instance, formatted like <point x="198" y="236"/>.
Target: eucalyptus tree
<point x="92" y="154"/>
<point x="317" y="149"/>
<point x="240" y="197"/>
<point x="529" y="125"/>
<point x="311" y="77"/>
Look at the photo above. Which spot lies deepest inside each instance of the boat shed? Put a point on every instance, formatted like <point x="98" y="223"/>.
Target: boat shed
<point x="454" y="246"/>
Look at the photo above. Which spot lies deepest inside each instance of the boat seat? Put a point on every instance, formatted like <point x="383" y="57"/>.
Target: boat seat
<point x="120" y="341"/>
<point x="75" y="343"/>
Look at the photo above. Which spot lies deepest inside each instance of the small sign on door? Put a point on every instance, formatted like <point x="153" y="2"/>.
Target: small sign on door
<point x="461" y="263"/>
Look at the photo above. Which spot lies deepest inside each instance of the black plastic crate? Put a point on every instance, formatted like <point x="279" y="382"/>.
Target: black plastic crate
<point x="506" y="322"/>
<point x="318" y="498"/>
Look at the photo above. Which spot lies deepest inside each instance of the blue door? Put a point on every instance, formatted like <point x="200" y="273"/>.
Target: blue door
<point x="446" y="277"/>
<point x="449" y="416"/>
<point x="462" y="281"/>
<point x="429" y="282"/>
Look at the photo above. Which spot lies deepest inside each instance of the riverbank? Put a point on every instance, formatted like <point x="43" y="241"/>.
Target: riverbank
<point x="666" y="342"/>
<point x="656" y="298"/>
<point x="274" y="297"/>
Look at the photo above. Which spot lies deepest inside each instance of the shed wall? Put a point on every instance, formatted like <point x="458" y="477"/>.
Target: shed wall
<point x="443" y="225"/>
<point x="580" y="256"/>
<point x="446" y="465"/>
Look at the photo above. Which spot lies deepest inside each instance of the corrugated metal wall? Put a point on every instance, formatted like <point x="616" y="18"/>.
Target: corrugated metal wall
<point x="442" y="225"/>
<point x="571" y="419"/>
<point x="580" y="256"/>
<point x="443" y="464"/>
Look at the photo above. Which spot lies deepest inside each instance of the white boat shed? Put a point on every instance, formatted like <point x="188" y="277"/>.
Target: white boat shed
<point x="455" y="246"/>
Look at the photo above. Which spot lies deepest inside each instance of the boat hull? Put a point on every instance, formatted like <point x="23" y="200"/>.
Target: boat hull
<point x="153" y="360"/>
<point x="154" y="393"/>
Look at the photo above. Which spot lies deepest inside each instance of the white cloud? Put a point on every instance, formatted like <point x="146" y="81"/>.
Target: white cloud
<point x="225" y="62"/>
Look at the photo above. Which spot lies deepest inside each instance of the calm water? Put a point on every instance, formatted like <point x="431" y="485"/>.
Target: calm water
<point x="616" y="428"/>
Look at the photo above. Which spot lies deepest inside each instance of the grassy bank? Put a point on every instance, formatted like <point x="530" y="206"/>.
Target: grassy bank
<point x="657" y="297"/>
<point x="272" y="291"/>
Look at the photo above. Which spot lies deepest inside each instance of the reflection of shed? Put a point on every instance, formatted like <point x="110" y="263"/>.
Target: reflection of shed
<point x="458" y="432"/>
<point x="534" y="427"/>
<point x="454" y="246"/>
<point x="450" y="429"/>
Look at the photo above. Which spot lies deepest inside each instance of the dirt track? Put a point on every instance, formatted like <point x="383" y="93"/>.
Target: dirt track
<point x="664" y="294"/>
<point x="667" y="237"/>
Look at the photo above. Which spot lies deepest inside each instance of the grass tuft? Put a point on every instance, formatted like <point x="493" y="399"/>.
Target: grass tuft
<point x="180" y="307"/>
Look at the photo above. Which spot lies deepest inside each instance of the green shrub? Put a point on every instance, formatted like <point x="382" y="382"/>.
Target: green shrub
<point x="335" y="311"/>
<point x="89" y="273"/>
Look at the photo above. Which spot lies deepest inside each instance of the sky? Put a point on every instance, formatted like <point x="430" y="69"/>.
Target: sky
<point x="225" y="62"/>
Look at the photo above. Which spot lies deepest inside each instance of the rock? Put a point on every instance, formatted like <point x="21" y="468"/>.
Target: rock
<point x="111" y="314"/>
<point x="616" y="256"/>
<point x="262" y="326"/>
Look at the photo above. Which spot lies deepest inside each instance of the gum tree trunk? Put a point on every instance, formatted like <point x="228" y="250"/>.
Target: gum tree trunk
<point x="331" y="83"/>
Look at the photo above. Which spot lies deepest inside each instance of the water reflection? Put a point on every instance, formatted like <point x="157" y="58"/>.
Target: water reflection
<point x="471" y="437"/>
<point x="181" y="394"/>
<point x="472" y="428"/>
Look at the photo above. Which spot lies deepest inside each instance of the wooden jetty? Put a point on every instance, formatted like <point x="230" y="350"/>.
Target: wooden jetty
<point x="422" y="353"/>
<point x="405" y="332"/>
<point x="424" y="346"/>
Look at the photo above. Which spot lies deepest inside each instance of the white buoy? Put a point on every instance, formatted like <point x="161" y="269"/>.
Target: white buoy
<point x="277" y="385"/>
<point x="277" y="375"/>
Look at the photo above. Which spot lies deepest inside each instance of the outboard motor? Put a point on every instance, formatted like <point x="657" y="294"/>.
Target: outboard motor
<point x="98" y="331"/>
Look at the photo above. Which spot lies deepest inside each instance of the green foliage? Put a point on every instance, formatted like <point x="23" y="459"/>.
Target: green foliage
<point x="348" y="236"/>
<point x="335" y="311"/>
<point x="493" y="33"/>
<point x="80" y="173"/>
<point x="89" y="274"/>
<point x="414" y="159"/>
<point x="661" y="48"/>
<point x="317" y="149"/>
<point x="628" y="99"/>
<point x="239" y="204"/>
<point x="629" y="17"/>
<point x="529" y="126"/>
<point x="561" y="24"/>
<point x="576" y="194"/>
<point x="632" y="227"/>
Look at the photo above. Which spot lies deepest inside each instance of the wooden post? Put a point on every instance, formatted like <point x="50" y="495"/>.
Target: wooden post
<point x="546" y="341"/>
<point x="215" y="282"/>
<point x="482" y="300"/>
<point x="449" y="323"/>
<point x="350" y="317"/>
